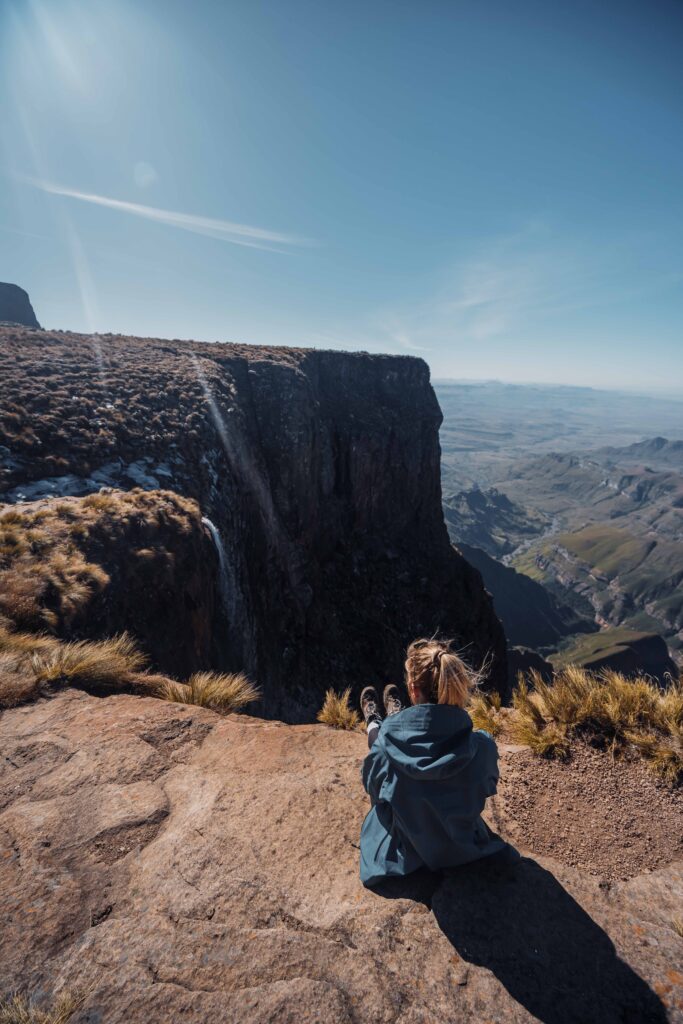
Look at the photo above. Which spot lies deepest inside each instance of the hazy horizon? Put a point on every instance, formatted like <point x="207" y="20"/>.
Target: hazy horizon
<point x="671" y="393"/>
<point x="495" y="189"/>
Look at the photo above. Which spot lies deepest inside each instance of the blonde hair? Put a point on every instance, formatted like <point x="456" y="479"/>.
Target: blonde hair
<point x="439" y="673"/>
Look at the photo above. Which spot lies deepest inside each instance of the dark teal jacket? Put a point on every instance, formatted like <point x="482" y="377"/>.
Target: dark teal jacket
<point x="428" y="775"/>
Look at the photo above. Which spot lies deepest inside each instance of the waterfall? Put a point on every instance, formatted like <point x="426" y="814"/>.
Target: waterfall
<point x="224" y="576"/>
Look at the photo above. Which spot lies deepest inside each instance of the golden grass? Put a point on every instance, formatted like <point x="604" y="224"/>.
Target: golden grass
<point x="19" y="1009"/>
<point x="50" y="571"/>
<point x="11" y="518"/>
<point x="608" y="709"/>
<point x="485" y="711"/>
<point x="677" y="925"/>
<point x="33" y="664"/>
<point x="90" y="663"/>
<point x="337" y="711"/>
<point x="102" y="502"/>
<point x="223" y="692"/>
<point x="26" y="644"/>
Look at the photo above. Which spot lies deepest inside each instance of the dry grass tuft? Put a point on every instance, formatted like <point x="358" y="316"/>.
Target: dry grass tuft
<point x="485" y="711"/>
<point x="93" y="664"/>
<point x="677" y="925"/>
<point x="609" y="710"/>
<point x="217" y="691"/>
<point x="52" y="557"/>
<point x="337" y="711"/>
<point x="33" y="665"/>
<point x="101" y="502"/>
<point x="11" y="518"/>
<point x="18" y="1009"/>
<point x="26" y="644"/>
<point x="549" y="741"/>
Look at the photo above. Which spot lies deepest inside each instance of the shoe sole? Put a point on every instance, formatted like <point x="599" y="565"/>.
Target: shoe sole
<point x="371" y="693"/>
<point x="392" y="690"/>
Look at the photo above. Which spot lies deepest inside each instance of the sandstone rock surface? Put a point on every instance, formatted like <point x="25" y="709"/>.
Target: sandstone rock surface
<point x="15" y="306"/>
<point x="176" y="865"/>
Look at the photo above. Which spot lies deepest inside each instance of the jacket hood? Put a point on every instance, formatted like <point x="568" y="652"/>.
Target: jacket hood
<point x="428" y="741"/>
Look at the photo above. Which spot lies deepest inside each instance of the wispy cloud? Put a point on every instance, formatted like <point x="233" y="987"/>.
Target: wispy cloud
<point x="520" y="285"/>
<point x="224" y="230"/>
<point x="398" y="335"/>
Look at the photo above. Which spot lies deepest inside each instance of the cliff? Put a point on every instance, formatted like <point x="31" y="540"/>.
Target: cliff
<point x="15" y="306"/>
<point x="319" y="470"/>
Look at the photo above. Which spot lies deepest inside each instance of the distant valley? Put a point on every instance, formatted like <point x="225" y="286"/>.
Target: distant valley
<point x="570" y="503"/>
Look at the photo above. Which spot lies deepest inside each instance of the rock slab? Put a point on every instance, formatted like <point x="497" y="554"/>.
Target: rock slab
<point x="175" y="865"/>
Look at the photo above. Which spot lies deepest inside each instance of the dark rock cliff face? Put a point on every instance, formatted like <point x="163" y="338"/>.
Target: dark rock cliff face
<point x="320" y="471"/>
<point x="524" y="660"/>
<point x="15" y="306"/>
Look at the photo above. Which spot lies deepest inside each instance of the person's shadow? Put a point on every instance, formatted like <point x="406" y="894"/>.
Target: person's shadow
<point x="542" y="946"/>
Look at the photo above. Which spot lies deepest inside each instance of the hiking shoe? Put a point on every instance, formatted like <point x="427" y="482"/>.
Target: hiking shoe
<point x="392" y="699"/>
<point x="368" y="705"/>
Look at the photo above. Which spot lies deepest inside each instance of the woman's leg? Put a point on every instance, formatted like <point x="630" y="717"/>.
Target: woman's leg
<point x="369" y="709"/>
<point x="373" y="729"/>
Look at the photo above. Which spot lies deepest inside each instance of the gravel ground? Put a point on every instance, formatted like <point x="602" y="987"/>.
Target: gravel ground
<point x="613" y="818"/>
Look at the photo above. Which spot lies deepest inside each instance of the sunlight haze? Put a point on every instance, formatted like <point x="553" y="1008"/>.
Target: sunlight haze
<point x="493" y="187"/>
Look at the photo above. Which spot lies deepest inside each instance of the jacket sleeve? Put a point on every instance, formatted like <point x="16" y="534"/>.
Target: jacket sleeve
<point x="374" y="772"/>
<point x="489" y="759"/>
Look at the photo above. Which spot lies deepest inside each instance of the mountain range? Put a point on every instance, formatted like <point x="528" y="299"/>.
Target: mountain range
<point x="598" y="528"/>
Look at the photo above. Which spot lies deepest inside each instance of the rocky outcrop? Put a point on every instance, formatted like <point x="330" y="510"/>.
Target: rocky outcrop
<point x="15" y="306"/>
<point x="320" y="471"/>
<point x="621" y="650"/>
<point x="173" y="865"/>
<point x="524" y="660"/>
<point x="531" y="615"/>
<point x="140" y="562"/>
<point x="489" y="520"/>
<point x="655" y="451"/>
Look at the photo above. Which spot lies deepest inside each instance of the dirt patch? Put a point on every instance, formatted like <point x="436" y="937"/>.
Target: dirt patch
<point x="613" y="818"/>
<point x="170" y="736"/>
<point x="107" y="849"/>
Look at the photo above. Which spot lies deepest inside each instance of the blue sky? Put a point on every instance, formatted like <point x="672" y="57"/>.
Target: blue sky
<point x="494" y="186"/>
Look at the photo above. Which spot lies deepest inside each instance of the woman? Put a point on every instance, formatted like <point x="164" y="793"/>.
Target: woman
<point x="428" y="772"/>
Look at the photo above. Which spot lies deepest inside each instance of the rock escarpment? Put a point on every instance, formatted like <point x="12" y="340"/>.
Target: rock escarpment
<point x="320" y="471"/>
<point x="15" y="306"/>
